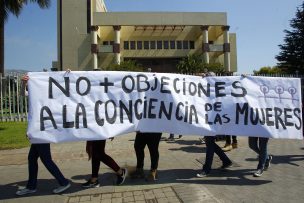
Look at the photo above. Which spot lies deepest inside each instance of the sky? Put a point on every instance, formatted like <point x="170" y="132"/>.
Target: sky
<point x="31" y="39"/>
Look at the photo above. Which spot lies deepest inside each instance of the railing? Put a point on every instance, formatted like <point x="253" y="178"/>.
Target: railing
<point x="13" y="105"/>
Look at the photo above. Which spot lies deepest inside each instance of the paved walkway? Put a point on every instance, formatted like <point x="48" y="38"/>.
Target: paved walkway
<point x="179" y="163"/>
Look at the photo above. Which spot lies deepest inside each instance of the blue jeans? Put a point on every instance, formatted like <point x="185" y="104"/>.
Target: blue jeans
<point x="259" y="145"/>
<point x="44" y="152"/>
<point x="211" y="148"/>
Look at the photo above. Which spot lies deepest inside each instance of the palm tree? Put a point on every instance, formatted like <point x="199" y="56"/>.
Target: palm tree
<point x="15" y="7"/>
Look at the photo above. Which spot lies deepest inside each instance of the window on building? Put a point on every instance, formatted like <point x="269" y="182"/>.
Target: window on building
<point x="105" y="43"/>
<point x="185" y="44"/>
<point x="132" y="45"/>
<point x="146" y="44"/>
<point x="159" y="44"/>
<point x="126" y="45"/>
<point x="191" y="43"/>
<point x="172" y="44"/>
<point x="211" y="42"/>
<point x="152" y="44"/>
<point x="139" y="44"/>
<point x="179" y="44"/>
<point x="166" y="44"/>
<point x="111" y="42"/>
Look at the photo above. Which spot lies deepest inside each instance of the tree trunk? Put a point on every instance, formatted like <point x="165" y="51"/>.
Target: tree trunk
<point x="2" y="38"/>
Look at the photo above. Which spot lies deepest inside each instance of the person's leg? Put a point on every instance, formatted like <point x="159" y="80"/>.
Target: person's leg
<point x="234" y="142"/>
<point x="263" y="143"/>
<point x="224" y="158"/>
<point x="95" y="161"/>
<point x="228" y="145"/>
<point x="253" y="144"/>
<point x="210" y="143"/>
<point x="153" y="140"/>
<point x="99" y="147"/>
<point x="139" y="146"/>
<point x="228" y="139"/>
<point x="44" y="151"/>
<point x="32" y="167"/>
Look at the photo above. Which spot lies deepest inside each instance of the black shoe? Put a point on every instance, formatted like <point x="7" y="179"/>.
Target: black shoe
<point x="226" y="165"/>
<point x="121" y="178"/>
<point x="90" y="184"/>
<point x="267" y="163"/>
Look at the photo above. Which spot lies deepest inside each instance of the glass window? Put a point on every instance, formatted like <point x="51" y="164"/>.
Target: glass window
<point x="166" y="44"/>
<point x="172" y="44"/>
<point x="139" y="44"/>
<point x="126" y="45"/>
<point x="105" y="43"/>
<point x="185" y="44"/>
<point x="132" y="45"/>
<point x="152" y="44"/>
<point x="191" y="43"/>
<point x="159" y="44"/>
<point x="111" y="42"/>
<point x="146" y="44"/>
<point x="179" y="44"/>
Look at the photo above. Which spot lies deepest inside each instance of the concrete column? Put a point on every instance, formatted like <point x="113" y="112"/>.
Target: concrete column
<point x="205" y="47"/>
<point x="94" y="47"/>
<point x="116" y="45"/>
<point x="226" y="48"/>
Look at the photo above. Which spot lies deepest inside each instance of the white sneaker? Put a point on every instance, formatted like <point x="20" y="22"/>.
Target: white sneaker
<point x="202" y="174"/>
<point x="61" y="189"/>
<point x="25" y="191"/>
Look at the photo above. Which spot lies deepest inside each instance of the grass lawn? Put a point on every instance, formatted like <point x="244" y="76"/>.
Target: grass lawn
<point x="12" y="135"/>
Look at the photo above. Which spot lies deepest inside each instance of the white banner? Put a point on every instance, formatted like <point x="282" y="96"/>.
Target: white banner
<point x="98" y="105"/>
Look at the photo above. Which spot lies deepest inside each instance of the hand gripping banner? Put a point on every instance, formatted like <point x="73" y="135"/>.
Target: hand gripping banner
<point x="97" y="105"/>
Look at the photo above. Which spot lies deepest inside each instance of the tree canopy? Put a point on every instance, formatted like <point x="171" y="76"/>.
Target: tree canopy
<point x="291" y="56"/>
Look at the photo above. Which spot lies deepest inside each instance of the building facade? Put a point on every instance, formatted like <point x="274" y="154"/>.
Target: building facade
<point x="91" y="38"/>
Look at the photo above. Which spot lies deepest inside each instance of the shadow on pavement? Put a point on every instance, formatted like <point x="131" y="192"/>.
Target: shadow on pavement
<point x="44" y="187"/>
<point x="170" y="176"/>
<point x="283" y="159"/>
<point x="190" y="149"/>
<point x="188" y="176"/>
<point x="105" y="179"/>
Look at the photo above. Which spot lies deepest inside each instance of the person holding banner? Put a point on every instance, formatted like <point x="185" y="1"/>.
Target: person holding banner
<point x="259" y="145"/>
<point x="141" y="140"/>
<point x="42" y="151"/>
<point x="96" y="152"/>
<point x="211" y="148"/>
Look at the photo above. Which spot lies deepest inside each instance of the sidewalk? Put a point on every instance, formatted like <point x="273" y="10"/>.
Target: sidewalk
<point x="178" y="166"/>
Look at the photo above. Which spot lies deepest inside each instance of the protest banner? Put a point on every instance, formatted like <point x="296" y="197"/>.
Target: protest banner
<point x="101" y="104"/>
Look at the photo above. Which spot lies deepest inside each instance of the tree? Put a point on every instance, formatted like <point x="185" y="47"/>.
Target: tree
<point x="194" y="64"/>
<point x="291" y="57"/>
<point x="15" y="7"/>
<point x="268" y="70"/>
<point x="128" y="65"/>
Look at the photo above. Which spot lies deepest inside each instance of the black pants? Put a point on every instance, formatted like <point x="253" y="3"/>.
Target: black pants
<point x="228" y="139"/>
<point x="152" y="140"/>
<point x="212" y="148"/>
<point x="99" y="155"/>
